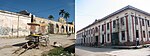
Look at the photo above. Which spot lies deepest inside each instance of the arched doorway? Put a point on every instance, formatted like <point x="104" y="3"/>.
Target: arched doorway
<point x="66" y="29"/>
<point x="69" y="29"/>
<point x="62" y="29"/>
<point x="72" y="30"/>
<point x="57" y="28"/>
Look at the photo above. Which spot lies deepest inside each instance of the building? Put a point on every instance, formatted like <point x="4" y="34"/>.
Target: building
<point x="15" y="24"/>
<point x="128" y="26"/>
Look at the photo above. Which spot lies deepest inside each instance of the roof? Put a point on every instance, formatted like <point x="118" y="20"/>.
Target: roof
<point x="25" y="12"/>
<point x="114" y="13"/>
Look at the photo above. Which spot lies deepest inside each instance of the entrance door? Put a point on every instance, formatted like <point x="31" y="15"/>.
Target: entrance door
<point x="115" y="38"/>
<point x="96" y="42"/>
<point x="102" y="39"/>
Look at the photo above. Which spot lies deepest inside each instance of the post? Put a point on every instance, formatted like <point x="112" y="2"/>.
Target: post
<point x="18" y="27"/>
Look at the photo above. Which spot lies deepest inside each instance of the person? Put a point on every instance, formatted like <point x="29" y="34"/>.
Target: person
<point x="137" y="41"/>
<point x="56" y="45"/>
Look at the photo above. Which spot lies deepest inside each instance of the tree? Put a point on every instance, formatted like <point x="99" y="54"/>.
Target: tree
<point x="66" y="16"/>
<point x="51" y="17"/>
<point x="62" y="12"/>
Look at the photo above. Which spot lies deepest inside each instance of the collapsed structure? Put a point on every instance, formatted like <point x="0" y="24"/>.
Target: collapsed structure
<point x="128" y="26"/>
<point x="15" y="24"/>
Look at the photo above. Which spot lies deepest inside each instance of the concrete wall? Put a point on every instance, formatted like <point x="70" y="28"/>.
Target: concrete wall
<point x="11" y="24"/>
<point x="14" y="24"/>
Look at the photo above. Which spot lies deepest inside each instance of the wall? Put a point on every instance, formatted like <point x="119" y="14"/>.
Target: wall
<point x="13" y="25"/>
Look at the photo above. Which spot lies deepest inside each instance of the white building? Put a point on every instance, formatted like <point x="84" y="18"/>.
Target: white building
<point x="126" y="26"/>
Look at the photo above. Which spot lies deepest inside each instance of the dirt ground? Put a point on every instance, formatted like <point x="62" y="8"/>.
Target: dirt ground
<point x="8" y="46"/>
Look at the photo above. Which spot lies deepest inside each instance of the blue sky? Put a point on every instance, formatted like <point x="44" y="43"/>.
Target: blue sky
<point x="86" y="11"/>
<point x="40" y="8"/>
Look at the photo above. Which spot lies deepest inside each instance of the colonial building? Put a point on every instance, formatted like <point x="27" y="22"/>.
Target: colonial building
<point x="128" y="26"/>
<point x="15" y="24"/>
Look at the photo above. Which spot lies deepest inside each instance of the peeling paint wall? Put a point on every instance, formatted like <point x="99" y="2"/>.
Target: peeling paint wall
<point x="13" y="24"/>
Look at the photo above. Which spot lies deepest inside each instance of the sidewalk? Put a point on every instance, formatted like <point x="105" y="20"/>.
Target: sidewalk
<point x="127" y="47"/>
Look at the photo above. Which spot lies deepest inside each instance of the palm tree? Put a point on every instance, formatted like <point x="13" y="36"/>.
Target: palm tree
<point x="62" y="12"/>
<point x="66" y="16"/>
<point x="51" y="17"/>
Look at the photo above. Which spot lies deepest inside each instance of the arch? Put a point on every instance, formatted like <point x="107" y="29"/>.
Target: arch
<point x="69" y="29"/>
<point x="96" y="29"/>
<point x="66" y="29"/>
<point x="57" y="28"/>
<point x="62" y="29"/>
<point x="72" y="30"/>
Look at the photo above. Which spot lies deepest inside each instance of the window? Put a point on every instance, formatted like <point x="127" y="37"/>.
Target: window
<point x="148" y="22"/>
<point x="136" y="20"/>
<point x="107" y="26"/>
<point x="137" y="34"/>
<point x="123" y="35"/>
<point x="114" y="24"/>
<point x="149" y="34"/>
<point x="93" y="31"/>
<point x="143" y="22"/>
<point x="99" y="28"/>
<point x="85" y="32"/>
<point x="96" y="29"/>
<point x="89" y="31"/>
<point x="107" y="37"/>
<point x="82" y="34"/>
<point x="122" y="21"/>
<point x="102" y="27"/>
<point x="144" y="34"/>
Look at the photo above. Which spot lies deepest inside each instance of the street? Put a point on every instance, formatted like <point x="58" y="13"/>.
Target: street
<point x="8" y="46"/>
<point x="92" y="51"/>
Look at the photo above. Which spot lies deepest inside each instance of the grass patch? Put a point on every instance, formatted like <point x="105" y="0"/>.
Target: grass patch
<point x="59" y="51"/>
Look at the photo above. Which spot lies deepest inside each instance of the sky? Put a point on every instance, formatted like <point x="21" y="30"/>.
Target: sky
<point x="86" y="11"/>
<point x="40" y="8"/>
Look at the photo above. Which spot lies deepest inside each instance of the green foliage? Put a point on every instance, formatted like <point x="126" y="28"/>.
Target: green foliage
<point x="51" y="17"/>
<point x="62" y="12"/>
<point x="59" y="51"/>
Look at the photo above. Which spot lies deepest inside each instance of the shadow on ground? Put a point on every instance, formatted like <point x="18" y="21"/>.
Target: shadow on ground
<point x="19" y="44"/>
<point x="70" y="49"/>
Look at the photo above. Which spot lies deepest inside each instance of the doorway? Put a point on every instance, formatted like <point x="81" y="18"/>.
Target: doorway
<point x="115" y="39"/>
<point x="102" y="39"/>
<point x="96" y="40"/>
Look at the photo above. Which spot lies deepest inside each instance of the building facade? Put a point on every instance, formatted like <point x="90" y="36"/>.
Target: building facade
<point x="15" y="24"/>
<point x="128" y="26"/>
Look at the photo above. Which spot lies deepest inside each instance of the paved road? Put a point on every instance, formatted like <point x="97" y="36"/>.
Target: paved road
<point x="91" y="51"/>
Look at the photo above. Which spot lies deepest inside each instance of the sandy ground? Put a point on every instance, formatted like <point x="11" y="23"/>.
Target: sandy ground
<point x="7" y="45"/>
<point x="91" y="51"/>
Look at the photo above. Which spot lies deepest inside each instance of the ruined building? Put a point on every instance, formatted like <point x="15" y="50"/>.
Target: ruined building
<point x="15" y="24"/>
